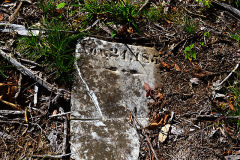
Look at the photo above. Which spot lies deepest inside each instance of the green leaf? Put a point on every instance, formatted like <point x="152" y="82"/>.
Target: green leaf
<point x="113" y="33"/>
<point x="61" y="5"/>
<point x="187" y="48"/>
<point x="194" y="55"/>
<point x="191" y="46"/>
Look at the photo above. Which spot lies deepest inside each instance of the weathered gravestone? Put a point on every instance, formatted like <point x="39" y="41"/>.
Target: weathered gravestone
<point x="113" y="74"/>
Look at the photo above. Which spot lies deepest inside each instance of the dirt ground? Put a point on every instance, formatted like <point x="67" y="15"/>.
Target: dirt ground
<point x="201" y="116"/>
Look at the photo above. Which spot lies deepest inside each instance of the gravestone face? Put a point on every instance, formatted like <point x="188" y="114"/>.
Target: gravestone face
<point x="115" y="73"/>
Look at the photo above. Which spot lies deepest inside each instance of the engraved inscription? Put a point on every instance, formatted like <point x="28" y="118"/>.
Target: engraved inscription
<point x="93" y="46"/>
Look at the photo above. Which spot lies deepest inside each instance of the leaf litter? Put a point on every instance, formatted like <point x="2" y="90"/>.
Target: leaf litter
<point x="185" y="120"/>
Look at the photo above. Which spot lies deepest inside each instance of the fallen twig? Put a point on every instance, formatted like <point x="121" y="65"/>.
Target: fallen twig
<point x="236" y="67"/>
<point x="145" y="3"/>
<point x="147" y="138"/>
<point x="150" y="144"/>
<point x="51" y="156"/>
<point x="10" y="112"/>
<point x="14" y="14"/>
<point x="62" y="114"/>
<point x="14" y="106"/>
<point x="216" y="116"/>
<point x="19" y="86"/>
<point x="24" y="70"/>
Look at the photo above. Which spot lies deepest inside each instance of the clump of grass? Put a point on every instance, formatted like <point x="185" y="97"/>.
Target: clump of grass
<point x="236" y="36"/>
<point x="55" y="49"/>
<point x="122" y="12"/>
<point x="205" y="3"/>
<point x="47" y="6"/>
<point x="190" y="25"/>
<point x="234" y="100"/>
<point x="127" y="12"/>
<point x="235" y="95"/>
<point x="154" y="14"/>
<point x="189" y="52"/>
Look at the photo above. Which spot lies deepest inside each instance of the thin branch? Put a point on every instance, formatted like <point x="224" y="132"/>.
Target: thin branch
<point x="51" y="156"/>
<point x="10" y="112"/>
<point x="14" y="106"/>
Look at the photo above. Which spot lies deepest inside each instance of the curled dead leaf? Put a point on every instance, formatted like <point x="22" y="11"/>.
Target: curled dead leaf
<point x="177" y="68"/>
<point x="147" y="88"/>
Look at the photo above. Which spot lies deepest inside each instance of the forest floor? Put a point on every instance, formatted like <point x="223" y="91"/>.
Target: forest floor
<point x="198" y="94"/>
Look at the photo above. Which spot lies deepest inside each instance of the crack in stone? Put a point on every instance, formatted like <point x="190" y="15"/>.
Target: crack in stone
<point x="90" y="92"/>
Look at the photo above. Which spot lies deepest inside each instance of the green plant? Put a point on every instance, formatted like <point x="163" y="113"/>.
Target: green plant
<point x="235" y="36"/>
<point x="189" y="52"/>
<point x="205" y="35"/>
<point x="55" y="50"/>
<point x="154" y="14"/>
<point x="206" y="3"/>
<point x="47" y="6"/>
<point x="190" y="25"/>
<point x="234" y="2"/>
<point x="235" y="96"/>
<point x="93" y="10"/>
<point x="126" y="12"/>
<point x="60" y="5"/>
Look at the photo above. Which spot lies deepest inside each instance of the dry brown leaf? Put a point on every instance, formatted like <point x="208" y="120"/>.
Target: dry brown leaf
<point x="231" y="106"/>
<point x="158" y="121"/>
<point x="152" y="126"/>
<point x="163" y="64"/>
<point x="177" y="68"/>
<point x="1" y="16"/>
<point x="130" y="118"/>
<point x="147" y="88"/>
<point x="165" y="117"/>
<point x="54" y="112"/>
<point x="130" y="31"/>
<point x="163" y="134"/>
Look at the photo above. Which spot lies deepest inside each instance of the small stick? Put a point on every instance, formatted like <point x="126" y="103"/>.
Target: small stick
<point x="216" y="116"/>
<point x="35" y="95"/>
<point x="14" y="106"/>
<point x="62" y="114"/>
<point x="145" y="3"/>
<point x="51" y="156"/>
<point x="229" y="74"/>
<point x="10" y="112"/>
<point x="147" y="138"/>
<point x="19" y="86"/>
<point x="14" y="14"/>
